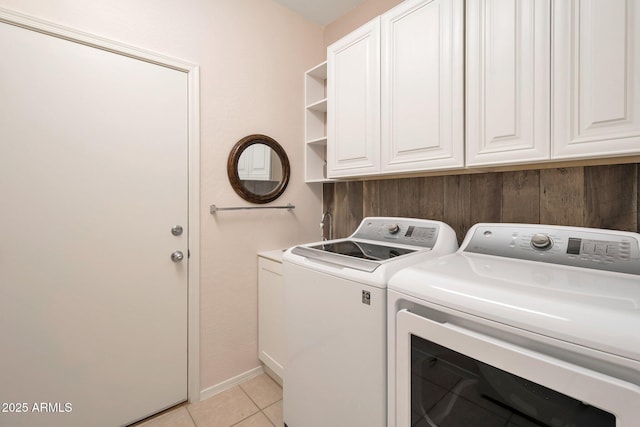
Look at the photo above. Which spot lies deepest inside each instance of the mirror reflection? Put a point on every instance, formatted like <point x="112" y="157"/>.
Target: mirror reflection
<point x="258" y="169"/>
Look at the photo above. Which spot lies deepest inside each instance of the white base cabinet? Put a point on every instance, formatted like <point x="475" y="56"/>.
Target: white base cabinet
<point x="270" y="311"/>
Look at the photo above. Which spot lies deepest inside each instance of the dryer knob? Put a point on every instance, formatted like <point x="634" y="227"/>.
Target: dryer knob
<point x="394" y="228"/>
<point x="541" y="241"/>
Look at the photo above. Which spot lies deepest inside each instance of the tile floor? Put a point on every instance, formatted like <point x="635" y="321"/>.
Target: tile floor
<point x="256" y="402"/>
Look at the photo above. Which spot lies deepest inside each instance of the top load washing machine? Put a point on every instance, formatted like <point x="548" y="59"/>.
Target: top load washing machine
<point x="335" y="319"/>
<point x="525" y="325"/>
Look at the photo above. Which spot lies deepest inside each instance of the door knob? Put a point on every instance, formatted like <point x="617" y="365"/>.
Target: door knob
<point x="177" y="256"/>
<point x="176" y="230"/>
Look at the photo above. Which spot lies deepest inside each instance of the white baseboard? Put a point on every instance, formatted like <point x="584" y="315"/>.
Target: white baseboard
<point x="227" y="384"/>
<point x="272" y="374"/>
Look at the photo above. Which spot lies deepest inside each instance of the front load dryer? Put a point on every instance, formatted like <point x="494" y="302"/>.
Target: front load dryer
<point x="525" y="325"/>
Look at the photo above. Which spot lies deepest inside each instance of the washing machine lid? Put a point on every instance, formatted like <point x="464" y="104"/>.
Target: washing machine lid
<point x="594" y="308"/>
<point x="356" y="254"/>
<point x="364" y="250"/>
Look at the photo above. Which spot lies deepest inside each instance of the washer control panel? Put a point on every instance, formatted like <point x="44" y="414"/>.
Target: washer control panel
<point x="414" y="232"/>
<point x="609" y="250"/>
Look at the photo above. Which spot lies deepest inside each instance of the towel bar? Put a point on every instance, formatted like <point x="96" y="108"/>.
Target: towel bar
<point x="213" y="208"/>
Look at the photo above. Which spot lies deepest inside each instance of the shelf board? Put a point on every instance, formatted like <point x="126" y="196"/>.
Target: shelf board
<point x="318" y="106"/>
<point x="318" y="141"/>
<point x="319" y="71"/>
<point x="320" y="180"/>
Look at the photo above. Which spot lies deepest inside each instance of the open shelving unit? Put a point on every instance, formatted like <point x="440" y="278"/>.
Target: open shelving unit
<point x="315" y="90"/>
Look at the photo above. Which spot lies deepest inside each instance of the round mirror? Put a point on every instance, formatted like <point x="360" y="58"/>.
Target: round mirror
<point x="258" y="169"/>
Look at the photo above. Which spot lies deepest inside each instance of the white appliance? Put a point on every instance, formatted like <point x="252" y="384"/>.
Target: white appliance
<point x="525" y="325"/>
<point x="335" y="367"/>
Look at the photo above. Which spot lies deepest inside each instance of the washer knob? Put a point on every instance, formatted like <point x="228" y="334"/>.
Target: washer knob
<point x="394" y="228"/>
<point x="541" y="241"/>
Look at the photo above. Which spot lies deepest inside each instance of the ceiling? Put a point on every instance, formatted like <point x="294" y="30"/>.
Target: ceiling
<point x="322" y="12"/>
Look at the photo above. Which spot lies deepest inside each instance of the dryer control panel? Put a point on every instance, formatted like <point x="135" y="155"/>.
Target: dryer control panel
<point x="608" y="250"/>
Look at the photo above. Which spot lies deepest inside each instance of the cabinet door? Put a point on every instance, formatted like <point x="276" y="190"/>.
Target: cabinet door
<point x="270" y="312"/>
<point x="422" y="86"/>
<point x="596" y="96"/>
<point x="353" y="103"/>
<point x="508" y="81"/>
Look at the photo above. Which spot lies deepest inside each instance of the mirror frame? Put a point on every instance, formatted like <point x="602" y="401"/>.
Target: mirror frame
<point x="234" y="178"/>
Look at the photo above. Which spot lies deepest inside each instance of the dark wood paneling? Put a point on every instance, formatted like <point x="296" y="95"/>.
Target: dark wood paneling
<point x="611" y="197"/>
<point x="431" y="198"/>
<point x="594" y="196"/>
<point x="388" y="197"/>
<point x="356" y="206"/>
<point x="328" y="194"/>
<point x="485" y="198"/>
<point x="371" y="205"/>
<point x="457" y="203"/>
<point x="409" y="195"/>
<point x="521" y="197"/>
<point x="562" y="196"/>
<point x="348" y="202"/>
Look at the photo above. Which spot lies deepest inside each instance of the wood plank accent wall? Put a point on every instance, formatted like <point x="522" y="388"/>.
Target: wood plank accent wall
<point x="585" y="196"/>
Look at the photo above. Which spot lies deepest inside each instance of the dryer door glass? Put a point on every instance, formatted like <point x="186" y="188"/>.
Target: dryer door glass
<point x="453" y="390"/>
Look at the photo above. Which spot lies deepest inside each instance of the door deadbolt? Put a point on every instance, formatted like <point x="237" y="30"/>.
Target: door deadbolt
<point x="177" y="256"/>
<point x="177" y="230"/>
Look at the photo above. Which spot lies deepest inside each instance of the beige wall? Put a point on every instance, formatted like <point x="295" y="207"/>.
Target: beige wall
<point x="361" y="14"/>
<point x="252" y="54"/>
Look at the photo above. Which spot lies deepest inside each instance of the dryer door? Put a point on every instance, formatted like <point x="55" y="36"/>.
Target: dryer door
<point x="447" y="375"/>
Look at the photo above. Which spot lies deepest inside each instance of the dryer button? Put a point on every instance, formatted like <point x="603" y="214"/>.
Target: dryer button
<point x="541" y="241"/>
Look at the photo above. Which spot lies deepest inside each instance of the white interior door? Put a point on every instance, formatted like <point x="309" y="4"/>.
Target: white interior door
<point x="93" y="175"/>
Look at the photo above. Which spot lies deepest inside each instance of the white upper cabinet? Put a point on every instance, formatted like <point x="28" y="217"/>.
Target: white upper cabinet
<point x="546" y="80"/>
<point x="396" y="92"/>
<point x="508" y="81"/>
<point x="422" y="99"/>
<point x="353" y="103"/>
<point x="540" y="90"/>
<point x="596" y="94"/>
